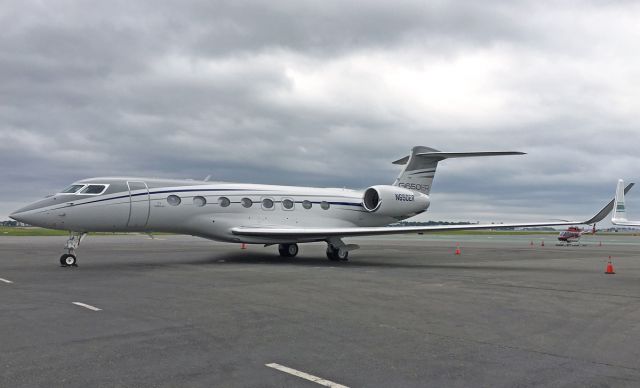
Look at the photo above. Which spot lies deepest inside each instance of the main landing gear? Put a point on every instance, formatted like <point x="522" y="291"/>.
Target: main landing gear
<point x="337" y="250"/>
<point x="69" y="259"/>
<point x="336" y="254"/>
<point x="288" y="250"/>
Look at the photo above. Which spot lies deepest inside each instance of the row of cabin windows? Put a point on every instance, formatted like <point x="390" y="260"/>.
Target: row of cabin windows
<point x="267" y="203"/>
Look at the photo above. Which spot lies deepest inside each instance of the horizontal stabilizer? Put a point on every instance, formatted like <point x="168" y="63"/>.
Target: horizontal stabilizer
<point x="402" y="161"/>
<point x="439" y="155"/>
<point x="447" y="155"/>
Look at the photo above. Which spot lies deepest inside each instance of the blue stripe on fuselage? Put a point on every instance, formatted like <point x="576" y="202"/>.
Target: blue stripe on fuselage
<point x="192" y="190"/>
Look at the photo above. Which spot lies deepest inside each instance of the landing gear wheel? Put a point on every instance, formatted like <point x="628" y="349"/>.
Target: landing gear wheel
<point x="335" y="254"/>
<point x="288" y="250"/>
<point x="68" y="260"/>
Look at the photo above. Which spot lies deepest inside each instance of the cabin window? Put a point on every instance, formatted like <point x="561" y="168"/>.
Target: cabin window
<point x="224" y="201"/>
<point x="199" y="201"/>
<point x="287" y="204"/>
<point x="72" y="189"/>
<point x="93" y="189"/>
<point x="173" y="200"/>
<point x="246" y="202"/>
<point x="267" y="203"/>
<point x="306" y="204"/>
<point x="324" y="205"/>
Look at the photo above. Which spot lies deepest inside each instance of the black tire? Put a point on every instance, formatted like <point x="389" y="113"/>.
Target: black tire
<point x="68" y="260"/>
<point x="335" y="254"/>
<point x="288" y="250"/>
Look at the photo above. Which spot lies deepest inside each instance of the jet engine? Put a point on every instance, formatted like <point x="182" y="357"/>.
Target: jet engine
<point x="394" y="201"/>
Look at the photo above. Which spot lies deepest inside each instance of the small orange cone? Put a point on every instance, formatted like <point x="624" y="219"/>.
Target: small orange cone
<point x="531" y="244"/>
<point x="542" y="243"/>
<point x="609" y="270"/>
<point x="458" y="249"/>
<point x="243" y="246"/>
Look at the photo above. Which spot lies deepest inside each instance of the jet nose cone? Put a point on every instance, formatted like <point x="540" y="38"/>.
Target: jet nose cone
<point x="26" y="216"/>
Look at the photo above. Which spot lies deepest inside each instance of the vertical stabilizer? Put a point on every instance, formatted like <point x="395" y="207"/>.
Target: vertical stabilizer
<point x="419" y="171"/>
<point x="619" y="211"/>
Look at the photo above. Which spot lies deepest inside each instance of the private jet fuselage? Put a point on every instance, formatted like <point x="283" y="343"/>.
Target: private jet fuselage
<point x="212" y="209"/>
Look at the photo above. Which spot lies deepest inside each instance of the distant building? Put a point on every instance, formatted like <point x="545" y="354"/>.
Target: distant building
<point x="13" y="224"/>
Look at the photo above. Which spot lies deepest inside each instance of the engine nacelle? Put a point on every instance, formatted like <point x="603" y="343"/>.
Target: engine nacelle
<point x="394" y="201"/>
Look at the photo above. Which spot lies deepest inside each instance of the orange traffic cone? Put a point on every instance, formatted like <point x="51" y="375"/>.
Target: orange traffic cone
<point x="531" y="244"/>
<point x="458" y="249"/>
<point x="609" y="270"/>
<point x="243" y="246"/>
<point x="542" y="243"/>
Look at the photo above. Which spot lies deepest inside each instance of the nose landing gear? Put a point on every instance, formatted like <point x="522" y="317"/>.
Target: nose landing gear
<point x="69" y="259"/>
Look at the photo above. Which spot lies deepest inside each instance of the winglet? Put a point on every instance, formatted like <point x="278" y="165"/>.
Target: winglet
<point x="607" y="209"/>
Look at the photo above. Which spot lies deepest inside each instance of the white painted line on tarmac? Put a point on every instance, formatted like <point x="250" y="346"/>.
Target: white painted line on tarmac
<point x="87" y="306"/>
<point x="306" y="376"/>
<point x="6" y="281"/>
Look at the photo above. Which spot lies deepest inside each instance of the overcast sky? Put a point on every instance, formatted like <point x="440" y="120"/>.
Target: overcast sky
<point x="327" y="93"/>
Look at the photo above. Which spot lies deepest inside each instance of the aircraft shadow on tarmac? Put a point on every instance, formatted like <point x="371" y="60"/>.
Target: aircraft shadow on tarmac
<point x="253" y="258"/>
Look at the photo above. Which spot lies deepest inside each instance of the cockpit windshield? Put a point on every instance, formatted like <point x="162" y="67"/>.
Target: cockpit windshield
<point x="72" y="189"/>
<point x="93" y="189"/>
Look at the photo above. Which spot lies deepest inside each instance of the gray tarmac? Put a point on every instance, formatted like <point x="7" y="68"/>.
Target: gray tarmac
<point x="403" y="312"/>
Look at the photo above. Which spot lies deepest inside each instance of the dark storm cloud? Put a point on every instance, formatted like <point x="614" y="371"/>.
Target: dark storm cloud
<point x="323" y="93"/>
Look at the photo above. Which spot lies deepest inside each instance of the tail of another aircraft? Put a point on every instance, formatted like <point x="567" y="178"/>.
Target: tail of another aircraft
<point x="619" y="211"/>
<point x="420" y="166"/>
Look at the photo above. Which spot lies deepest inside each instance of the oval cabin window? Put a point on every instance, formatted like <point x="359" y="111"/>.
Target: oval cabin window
<point x="224" y="201"/>
<point x="199" y="201"/>
<point x="173" y="200"/>
<point x="287" y="204"/>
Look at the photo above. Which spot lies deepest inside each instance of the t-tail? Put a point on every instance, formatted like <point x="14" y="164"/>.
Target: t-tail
<point x="420" y="166"/>
<point x="619" y="211"/>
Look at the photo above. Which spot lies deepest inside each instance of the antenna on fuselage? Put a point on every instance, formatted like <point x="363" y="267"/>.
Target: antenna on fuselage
<point x="206" y="179"/>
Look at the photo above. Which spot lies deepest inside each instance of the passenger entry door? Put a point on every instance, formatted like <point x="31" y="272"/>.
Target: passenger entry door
<point x="139" y="204"/>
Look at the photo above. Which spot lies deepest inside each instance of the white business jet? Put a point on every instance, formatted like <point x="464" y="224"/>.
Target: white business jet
<point x="619" y="211"/>
<point x="250" y="213"/>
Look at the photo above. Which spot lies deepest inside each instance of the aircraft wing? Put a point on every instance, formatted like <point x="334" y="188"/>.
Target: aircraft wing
<point x="321" y="233"/>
